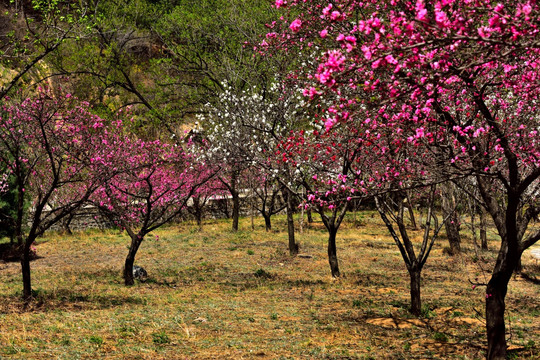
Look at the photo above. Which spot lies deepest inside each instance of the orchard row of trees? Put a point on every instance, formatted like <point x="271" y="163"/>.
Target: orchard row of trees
<point x="417" y="94"/>
<point x="337" y="102"/>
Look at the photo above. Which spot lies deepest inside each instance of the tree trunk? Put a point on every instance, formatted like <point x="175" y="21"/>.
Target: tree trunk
<point x="332" y="253"/>
<point x="198" y="211"/>
<point x="452" y="232"/>
<point x="267" y="222"/>
<point x="27" y="281"/>
<point x="309" y="216"/>
<point x="483" y="230"/>
<point x="235" y="210"/>
<point x="416" y="301"/>
<point x="495" y="308"/>
<point x="198" y="219"/>
<point x="130" y="260"/>
<point x="451" y="224"/>
<point x="519" y="267"/>
<point x="66" y="226"/>
<point x="301" y="221"/>
<point x="293" y="246"/>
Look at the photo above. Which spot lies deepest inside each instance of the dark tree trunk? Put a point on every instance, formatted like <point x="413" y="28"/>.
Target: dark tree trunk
<point x="452" y="232"/>
<point x="198" y="219"/>
<point x="267" y="222"/>
<point x="332" y="253"/>
<point x="235" y="210"/>
<point x="309" y="216"/>
<point x="67" y="223"/>
<point x="293" y="246"/>
<point x="198" y="211"/>
<point x="130" y="260"/>
<point x="27" y="281"/>
<point x="416" y="300"/>
<point x="483" y="230"/>
<point x="495" y="308"/>
<point x="451" y="224"/>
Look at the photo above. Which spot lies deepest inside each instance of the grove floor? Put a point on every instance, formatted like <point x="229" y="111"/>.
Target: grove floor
<point x="216" y="294"/>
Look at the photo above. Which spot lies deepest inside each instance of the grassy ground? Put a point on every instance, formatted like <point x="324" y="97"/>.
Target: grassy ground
<point x="214" y="294"/>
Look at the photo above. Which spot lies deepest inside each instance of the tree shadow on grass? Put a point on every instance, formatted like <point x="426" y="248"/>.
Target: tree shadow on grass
<point x="65" y="300"/>
<point x="12" y="253"/>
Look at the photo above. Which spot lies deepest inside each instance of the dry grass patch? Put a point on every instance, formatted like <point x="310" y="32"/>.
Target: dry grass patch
<point x="214" y="294"/>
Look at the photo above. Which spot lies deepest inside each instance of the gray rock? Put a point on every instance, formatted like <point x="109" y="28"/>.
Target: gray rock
<point x="139" y="273"/>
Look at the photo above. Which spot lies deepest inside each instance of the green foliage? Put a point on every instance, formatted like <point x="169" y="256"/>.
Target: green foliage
<point x="165" y="59"/>
<point x="263" y="274"/>
<point x="438" y="336"/>
<point x="96" y="340"/>
<point x="160" y="338"/>
<point x="8" y="209"/>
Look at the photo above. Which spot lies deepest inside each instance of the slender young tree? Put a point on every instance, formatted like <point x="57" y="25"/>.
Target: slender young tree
<point x="391" y="209"/>
<point x="270" y="200"/>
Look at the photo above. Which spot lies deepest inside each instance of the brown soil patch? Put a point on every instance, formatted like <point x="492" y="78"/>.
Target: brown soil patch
<point x="393" y="323"/>
<point x="387" y="291"/>
<point x="469" y="321"/>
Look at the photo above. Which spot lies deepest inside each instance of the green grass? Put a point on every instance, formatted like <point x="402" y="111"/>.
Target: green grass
<point x="215" y="294"/>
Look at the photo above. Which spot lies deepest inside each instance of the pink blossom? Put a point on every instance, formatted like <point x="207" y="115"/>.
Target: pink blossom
<point x="329" y="123"/>
<point x="336" y="15"/>
<point x="440" y="17"/>
<point x="296" y="25"/>
<point x="327" y="9"/>
<point x="422" y="15"/>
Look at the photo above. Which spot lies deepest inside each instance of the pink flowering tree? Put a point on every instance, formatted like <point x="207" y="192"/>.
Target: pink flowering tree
<point x="47" y="145"/>
<point x="455" y="80"/>
<point x="326" y="173"/>
<point x="151" y="185"/>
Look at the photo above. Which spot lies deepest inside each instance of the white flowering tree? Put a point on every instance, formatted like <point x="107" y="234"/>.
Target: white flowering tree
<point x="244" y="130"/>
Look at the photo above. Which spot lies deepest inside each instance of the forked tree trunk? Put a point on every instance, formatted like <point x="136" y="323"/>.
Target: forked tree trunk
<point x="267" y="222"/>
<point x="67" y="223"/>
<point x="332" y="253"/>
<point x="293" y="246"/>
<point x="416" y="300"/>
